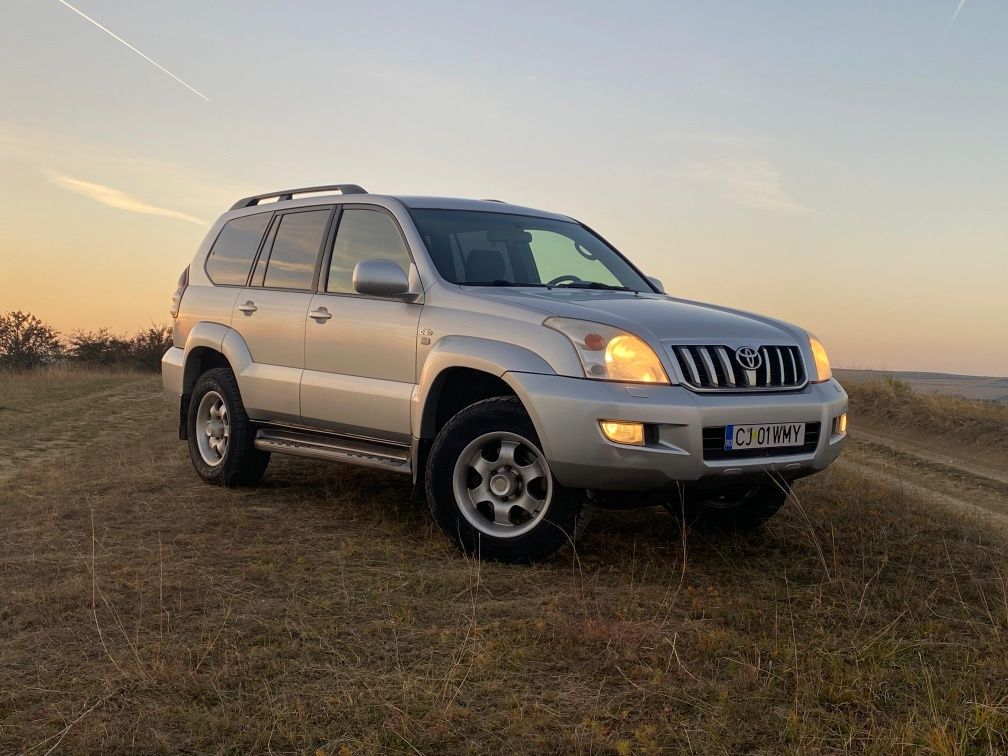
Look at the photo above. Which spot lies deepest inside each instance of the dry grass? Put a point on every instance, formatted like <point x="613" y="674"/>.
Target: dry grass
<point x="966" y="421"/>
<point x="141" y="611"/>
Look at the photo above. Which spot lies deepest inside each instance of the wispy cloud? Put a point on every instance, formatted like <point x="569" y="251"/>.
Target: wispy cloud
<point x="110" y="197"/>
<point x="123" y="41"/>
<point x="751" y="182"/>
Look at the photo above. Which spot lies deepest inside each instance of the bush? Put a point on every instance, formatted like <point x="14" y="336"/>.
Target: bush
<point x="149" y="346"/>
<point x="140" y="352"/>
<point x="98" y="348"/>
<point x="26" y="342"/>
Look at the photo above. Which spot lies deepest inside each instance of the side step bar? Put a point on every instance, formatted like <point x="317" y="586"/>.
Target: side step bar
<point x="351" y="451"/>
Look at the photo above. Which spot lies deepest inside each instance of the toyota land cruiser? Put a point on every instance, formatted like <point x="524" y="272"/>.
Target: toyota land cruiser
<point x="510" y="360"/>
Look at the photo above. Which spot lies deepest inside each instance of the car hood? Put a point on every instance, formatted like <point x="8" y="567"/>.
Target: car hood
<point x="658" y="316"/>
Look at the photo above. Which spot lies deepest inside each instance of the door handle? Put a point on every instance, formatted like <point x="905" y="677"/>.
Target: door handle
<point x="321" y="315"/>
<point x="248" y="308"/>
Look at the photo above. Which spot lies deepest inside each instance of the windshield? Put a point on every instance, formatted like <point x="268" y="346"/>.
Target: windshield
<point x="498" y="249"/>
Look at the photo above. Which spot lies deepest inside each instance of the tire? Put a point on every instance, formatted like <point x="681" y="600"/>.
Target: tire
<point x="742" y="509"/>
<point x="221" y="437"/>
<point x="512" y="511"/>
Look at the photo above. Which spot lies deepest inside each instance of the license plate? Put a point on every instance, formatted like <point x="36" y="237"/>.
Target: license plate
<point x="767" y="436"/>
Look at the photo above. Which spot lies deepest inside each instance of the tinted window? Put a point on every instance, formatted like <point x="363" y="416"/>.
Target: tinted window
<point x="295" y="250"/>
<point x="231" y="257"/>
<point x="363" y="235"/>
<point x="501" y="249"/>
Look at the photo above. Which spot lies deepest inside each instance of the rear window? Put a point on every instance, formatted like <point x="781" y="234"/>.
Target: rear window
<point x="231" y="256"/>
<point x="296" y="249"/>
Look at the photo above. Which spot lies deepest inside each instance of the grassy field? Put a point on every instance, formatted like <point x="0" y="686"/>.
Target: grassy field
<point x="986" y="388"/>
<point x="142" y="611"/>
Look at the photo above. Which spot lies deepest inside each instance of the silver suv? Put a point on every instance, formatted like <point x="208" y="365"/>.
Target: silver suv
<point x="510" y="360"/>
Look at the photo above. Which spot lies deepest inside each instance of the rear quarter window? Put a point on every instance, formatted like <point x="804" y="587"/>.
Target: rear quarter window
<point x="230" y="258"/>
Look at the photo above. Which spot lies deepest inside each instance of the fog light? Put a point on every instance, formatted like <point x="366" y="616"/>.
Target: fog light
<point x="840" y="424"/>
<point x="621" y="432"/>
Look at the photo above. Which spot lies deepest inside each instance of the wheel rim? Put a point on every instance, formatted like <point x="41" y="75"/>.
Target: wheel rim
<point x="502" y="484"/>
<point x="213" y="428"/>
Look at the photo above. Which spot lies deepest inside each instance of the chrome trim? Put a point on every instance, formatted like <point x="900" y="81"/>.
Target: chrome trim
<point x="350" y="451"/>
<point x="685" y="368"/>
<point x="726" y="365"/>
<point x="692" y="364"/>
<point x="709" y="363"/>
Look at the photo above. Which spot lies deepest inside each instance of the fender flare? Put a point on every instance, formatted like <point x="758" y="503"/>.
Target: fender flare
<point x="498" y="358"/>
<point x="218" y="338"/>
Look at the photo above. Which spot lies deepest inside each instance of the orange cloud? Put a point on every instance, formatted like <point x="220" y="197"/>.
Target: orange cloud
<point x="110" y="197"/>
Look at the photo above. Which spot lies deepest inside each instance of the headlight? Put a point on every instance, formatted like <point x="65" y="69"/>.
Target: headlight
<point x="822" y="366"/>
<point x="611" y="354"/>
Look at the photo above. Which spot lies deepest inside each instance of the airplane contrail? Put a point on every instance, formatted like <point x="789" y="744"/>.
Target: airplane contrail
<point x="120" y="39"/>
<point x="956" y="14"/>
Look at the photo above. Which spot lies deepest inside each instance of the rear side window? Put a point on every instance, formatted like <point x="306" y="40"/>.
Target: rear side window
<point x="363" y="235"/>
<point x="296" y="249"/>
<point x="230" y="258"/>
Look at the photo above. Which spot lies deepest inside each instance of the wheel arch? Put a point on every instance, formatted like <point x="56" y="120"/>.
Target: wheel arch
<point x="208" y="346"/>
<point x="461" y="370"/>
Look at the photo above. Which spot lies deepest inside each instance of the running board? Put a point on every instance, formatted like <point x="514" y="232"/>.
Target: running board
<point x="351" y="451"/>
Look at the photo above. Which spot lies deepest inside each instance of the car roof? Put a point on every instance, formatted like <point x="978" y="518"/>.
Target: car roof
<point x="409" y="201"/>
<point x="486" y="206"/>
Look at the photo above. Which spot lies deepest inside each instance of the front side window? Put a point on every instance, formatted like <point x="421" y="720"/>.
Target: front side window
<point x="479" y="248"/>
<point x="296" y="249"/>
<point x="230" y="258"/>
<point x="363" y="234"/>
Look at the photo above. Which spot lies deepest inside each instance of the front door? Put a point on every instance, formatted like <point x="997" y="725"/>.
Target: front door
<point x="270" y="313"/>
<point x="360" y="351"/>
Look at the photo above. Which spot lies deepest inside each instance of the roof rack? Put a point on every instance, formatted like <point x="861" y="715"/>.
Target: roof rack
<point x="287" y="194"/>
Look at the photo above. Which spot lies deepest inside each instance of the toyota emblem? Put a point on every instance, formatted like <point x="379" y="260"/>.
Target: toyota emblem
<point x="748" y="357"/>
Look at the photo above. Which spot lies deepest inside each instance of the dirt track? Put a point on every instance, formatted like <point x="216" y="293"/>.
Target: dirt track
<point x="967" y="479"/>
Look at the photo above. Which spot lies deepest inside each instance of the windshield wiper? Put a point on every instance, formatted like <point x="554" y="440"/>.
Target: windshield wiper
<point x="501" y="282"/>
<point x="592" y="285"/>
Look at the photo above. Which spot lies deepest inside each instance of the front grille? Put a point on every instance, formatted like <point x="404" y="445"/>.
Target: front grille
<point x="713" y="445"/>
<point x="716" y="368"/>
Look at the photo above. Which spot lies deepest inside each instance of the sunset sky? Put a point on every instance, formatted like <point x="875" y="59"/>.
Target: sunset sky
<point x="839" y="165"/>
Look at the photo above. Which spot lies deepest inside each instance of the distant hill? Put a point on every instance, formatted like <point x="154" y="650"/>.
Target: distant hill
<point x="967" y="386"/>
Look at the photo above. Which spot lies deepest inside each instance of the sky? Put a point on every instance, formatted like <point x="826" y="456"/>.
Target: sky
<point x="840" y="165"/>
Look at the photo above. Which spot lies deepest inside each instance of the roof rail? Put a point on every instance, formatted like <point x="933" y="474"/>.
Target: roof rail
<point x="287" y="194"/>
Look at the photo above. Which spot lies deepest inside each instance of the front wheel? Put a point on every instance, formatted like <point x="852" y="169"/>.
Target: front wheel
<point x="221" y="438"/>
<point x="491" y="490"/>
<point x="742" y="508"/>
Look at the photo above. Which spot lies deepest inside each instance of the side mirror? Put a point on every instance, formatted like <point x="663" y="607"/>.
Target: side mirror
<point x="654" y="282"/>
<point x="380" y="278"/>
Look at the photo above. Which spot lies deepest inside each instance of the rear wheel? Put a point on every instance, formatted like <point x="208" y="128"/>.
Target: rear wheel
<point x="491" y="490"/>
<point x="741" y="508"/>
<point x="221" y="438"/>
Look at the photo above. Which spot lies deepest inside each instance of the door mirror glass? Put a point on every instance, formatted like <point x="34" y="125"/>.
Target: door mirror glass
<point x="380" y="278"/>
<point x="656" y="283"/>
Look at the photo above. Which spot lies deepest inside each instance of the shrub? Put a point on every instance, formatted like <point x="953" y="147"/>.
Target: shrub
<point x="98" y="348"/>
<point x="140" y="352"/>
<point x="149" y="346"/>
<point x="26" y="342"/>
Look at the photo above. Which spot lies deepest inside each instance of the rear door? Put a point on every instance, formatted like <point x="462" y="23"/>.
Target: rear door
<point x="270" y="312"/>
<point x="360" y="351"/>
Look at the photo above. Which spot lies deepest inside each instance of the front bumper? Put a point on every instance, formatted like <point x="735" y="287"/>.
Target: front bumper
<point x="566" y="413"/>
